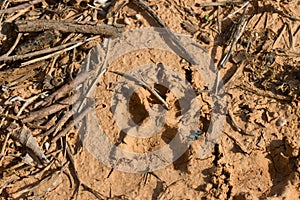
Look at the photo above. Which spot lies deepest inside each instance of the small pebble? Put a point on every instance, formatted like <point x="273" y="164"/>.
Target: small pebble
<point x="138" y="17"/>
<point x="208" y="187"/>
<point x="281" y="121"/>
<point x="183" y="61"/>
<point x="127" y="21"/>
<point x="99" y="3"/>
<point x="47" y="145"/>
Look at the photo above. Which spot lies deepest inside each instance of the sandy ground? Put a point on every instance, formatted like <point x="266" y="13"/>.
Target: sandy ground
<point x="256" y="155"/>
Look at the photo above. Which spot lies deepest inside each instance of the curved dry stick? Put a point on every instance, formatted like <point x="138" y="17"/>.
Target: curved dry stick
<point x="68" y="27"/>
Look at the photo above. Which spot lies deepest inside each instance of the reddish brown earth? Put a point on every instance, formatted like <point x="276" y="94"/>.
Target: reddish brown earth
<point x="259" y="161"/>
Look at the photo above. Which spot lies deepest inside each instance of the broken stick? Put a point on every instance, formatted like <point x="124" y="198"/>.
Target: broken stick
<point x="67" y="27"/>
<point x="186" y="54"/>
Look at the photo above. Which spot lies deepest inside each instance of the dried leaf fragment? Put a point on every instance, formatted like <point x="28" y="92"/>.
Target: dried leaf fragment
<point x="24" y="136"/>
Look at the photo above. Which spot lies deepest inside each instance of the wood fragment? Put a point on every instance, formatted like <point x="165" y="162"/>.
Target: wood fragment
<point x="144" y="84"/>
<point x="58" y="126"/>
<point x="68" y="27"/>
<point x="3" y="150"/>
<point x="29" y="74"/>
<point x="19" y="7"/>
<point x="291" y="37"/>
<point x="261" y="93"/>
<point x="66" y="88"/>
<point x="233" y="78"/>
<point x="29" y="101"/>
<point x="238" y="144"/>
<point x="45" y="127"/>
<point x="237" y="35"/>
<point x="14" y="45"/>
<point x="115" y="7"/>
<point x="57" y="52"/>
<point x="279" y="36"/>
<point x="186" y="54"/>
<point x="55" y="182"/>
<point x="36" y="53"/>
<point x="72" y="124"/>
<point x="54" y="108"/>
<point x="100" y="69"/>
<point x="18" y="14"/>
<point x="18" y="194"/>
<point x="235" y="12"/>
<point x="220" y="3"/>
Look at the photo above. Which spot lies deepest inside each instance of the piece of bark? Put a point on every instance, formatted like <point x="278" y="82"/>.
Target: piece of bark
<point x="67" y="27"/>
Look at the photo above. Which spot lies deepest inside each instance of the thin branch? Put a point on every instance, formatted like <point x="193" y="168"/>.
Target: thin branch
<point x="19" y="7"/>
<point x="72" y="124"/>
<point x="143" y="83"/>
<point x="234" y="124"/>
<point x="14" y="45"/>
<point x="58" y="52"/>
<point x="36" y="53"/>
<point x="279" y="35"/>
<point x="66" y="88"/>
<point x="44" y="112"/>
<point x="179" y="44"/>
<point x="237" y="143"/>
<point x="235" y="39"/>
<point x="100" y="70"/>
<point x="67" y="27"/>
<point x="238" y="10"/>
<point x="220" y="3"/>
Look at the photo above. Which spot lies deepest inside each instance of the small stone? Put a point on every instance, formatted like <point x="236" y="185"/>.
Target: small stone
<point x="138" y="17"/>
<point x="183" y="61"/>
<point x="47" y="145"/>
<point x="208" y="187"/>
<point x="127" y="21"/>
<point x="281" y="121"/>
<point x="99" y="3"/>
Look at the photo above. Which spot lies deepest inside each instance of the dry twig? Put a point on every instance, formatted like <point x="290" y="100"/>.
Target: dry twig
<point x="77" y="178"/>
<point x="67" y="27"/>
<point x="36" y="53"/>
<point x="58" y="52"/>
<point x="144" y="84"/>
<point x="72" y="124"/>
<point x="65" y="89"/>
<point x="179" y="44"/>
<point x="220" y="3"/>
<point x="54" y="108"/>
<point x="240" y="146"/>
<point x="19" y="7"/>
<point x="235" y="39"/>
